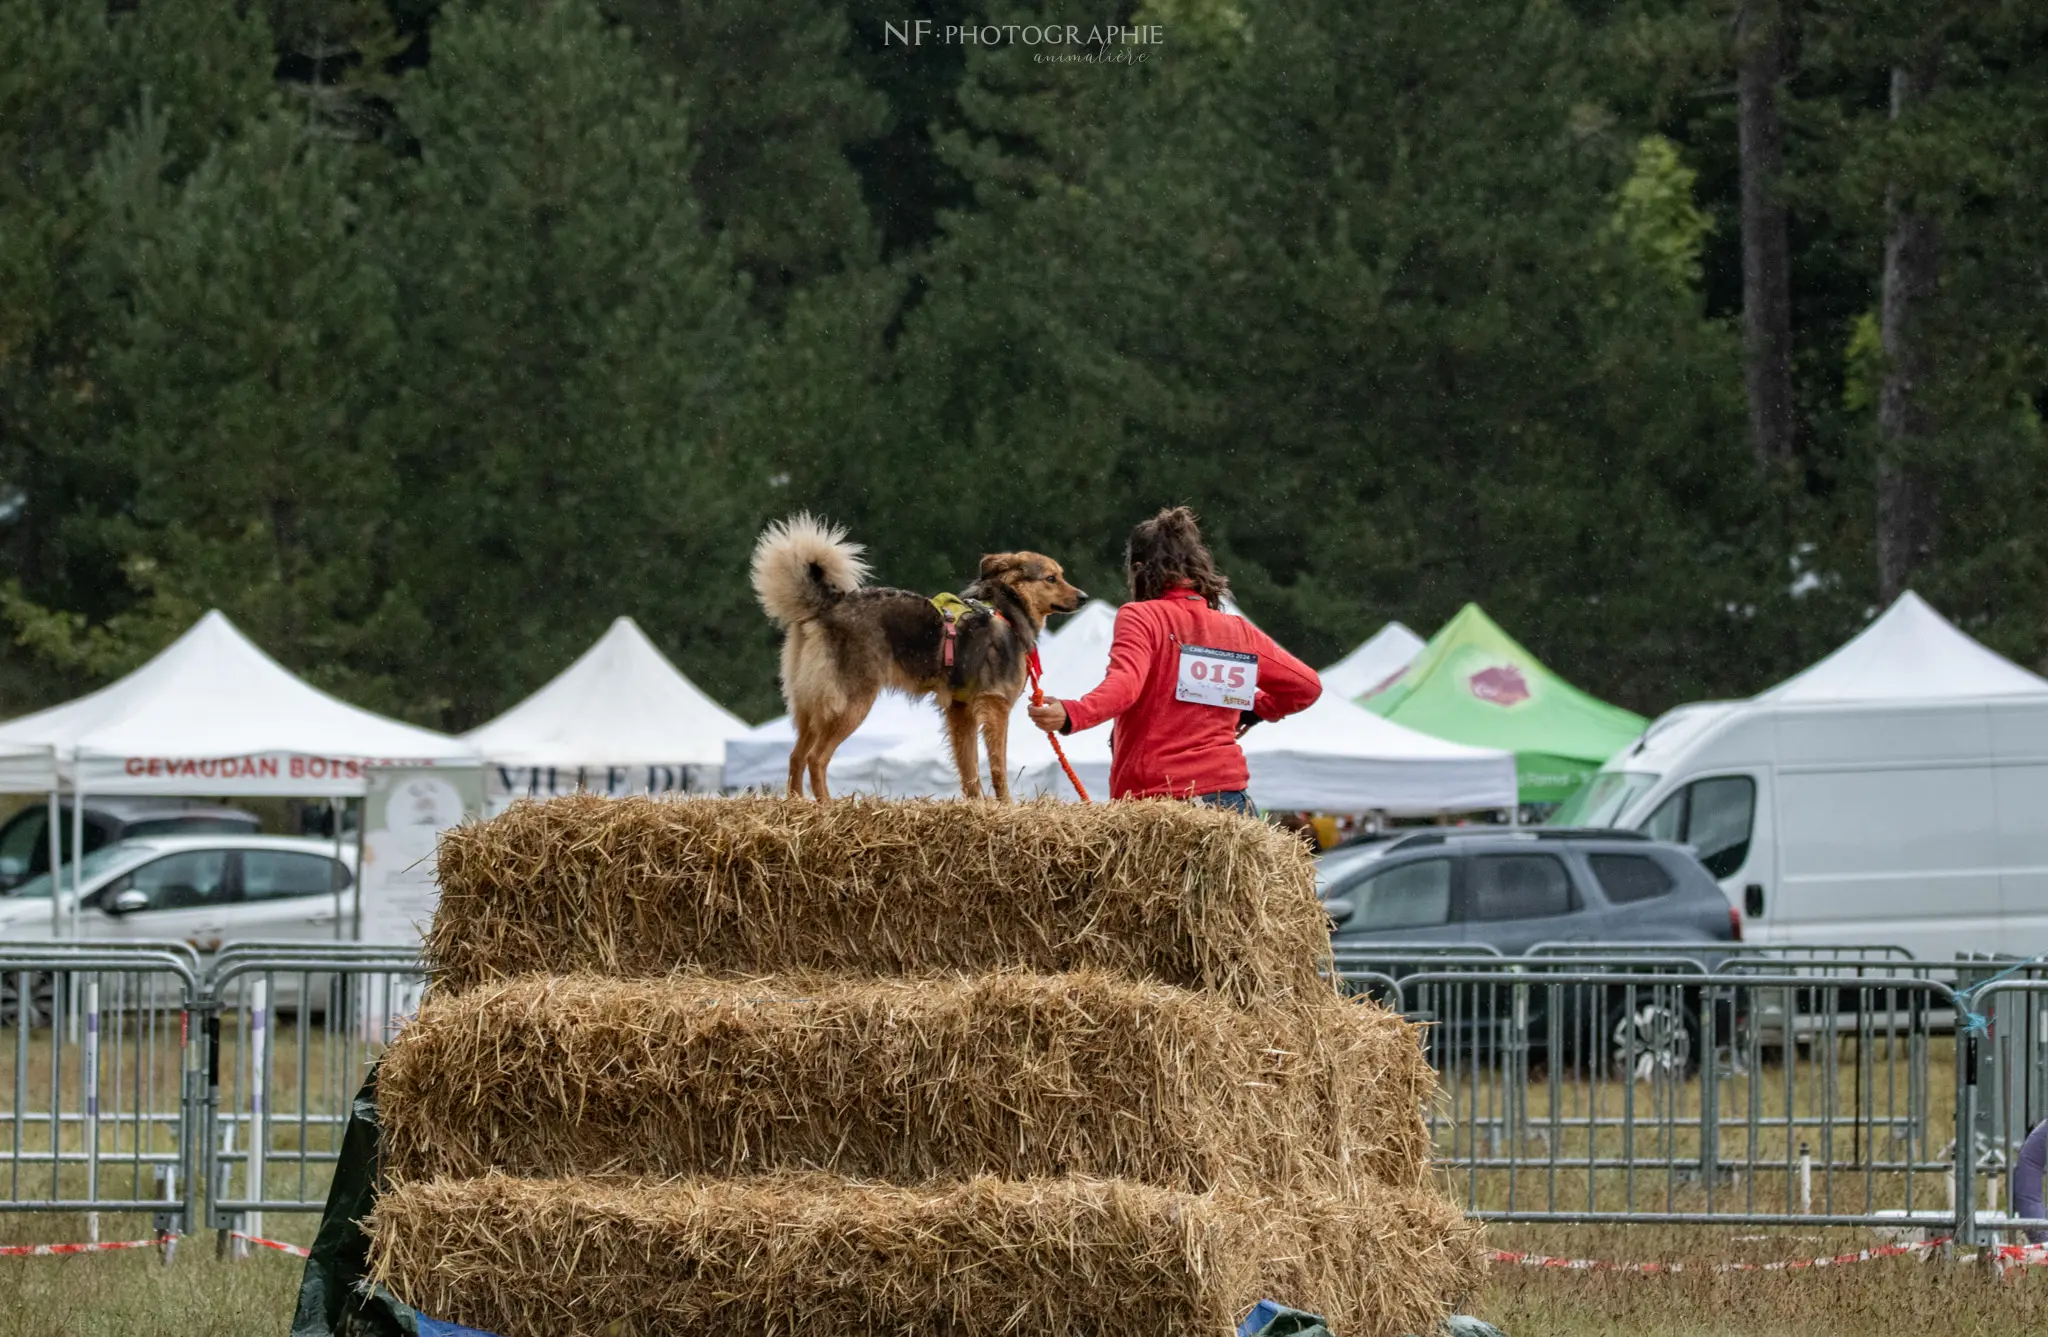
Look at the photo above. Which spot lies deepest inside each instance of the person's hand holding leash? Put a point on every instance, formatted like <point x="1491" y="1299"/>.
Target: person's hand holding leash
<point x="1050" y="716"/>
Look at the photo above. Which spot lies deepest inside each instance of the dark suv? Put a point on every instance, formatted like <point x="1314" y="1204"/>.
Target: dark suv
<point x="1510" y="889"/>
<point x="25" y="840"/>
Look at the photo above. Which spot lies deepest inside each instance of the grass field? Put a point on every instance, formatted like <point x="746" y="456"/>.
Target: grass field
<point x="120" y="1294"/>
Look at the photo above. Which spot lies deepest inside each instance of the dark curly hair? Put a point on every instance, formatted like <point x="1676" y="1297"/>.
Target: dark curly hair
<point x="1166" y="551"/>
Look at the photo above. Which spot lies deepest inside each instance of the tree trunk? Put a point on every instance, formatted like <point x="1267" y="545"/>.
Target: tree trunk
<point x="1907" y="507"/>
<point x="1763" y="47"/>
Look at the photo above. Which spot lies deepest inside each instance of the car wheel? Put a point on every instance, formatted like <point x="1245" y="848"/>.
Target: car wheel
<point x="1651" y="1037"/>
<point x="41" y="994"/>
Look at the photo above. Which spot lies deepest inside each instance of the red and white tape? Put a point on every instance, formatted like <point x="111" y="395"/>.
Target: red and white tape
<point x="2006" y="1255"/>
<point x="57" y="1250"/>
<point x="108" y="1246"/>
<point x="279" y="1245"/>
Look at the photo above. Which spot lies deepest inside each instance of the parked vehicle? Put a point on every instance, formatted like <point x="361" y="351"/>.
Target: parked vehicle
<point x="203" y="890"/>
<point x="1892" y="793"/>
<point x="25" y="839"/>
<point x="1511" y="888"/>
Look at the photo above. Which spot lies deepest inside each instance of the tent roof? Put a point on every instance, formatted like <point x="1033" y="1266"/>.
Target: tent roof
<point x="621" y="703"/>
<point x="213" y="694"/>
<point x="1473" y="684"/>
<point x="25" y="769"/>
<point x="1910" y="653"/>
<point x="1333" y="756"/>
<point x="1388" y="651"/>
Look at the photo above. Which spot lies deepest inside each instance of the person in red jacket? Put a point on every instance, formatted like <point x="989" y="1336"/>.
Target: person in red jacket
<point x="1185" y="678"/>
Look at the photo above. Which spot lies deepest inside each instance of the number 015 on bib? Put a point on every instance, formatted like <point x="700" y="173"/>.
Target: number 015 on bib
<point x="1209" y="677"/>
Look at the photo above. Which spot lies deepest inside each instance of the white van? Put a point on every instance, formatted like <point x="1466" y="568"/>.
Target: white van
<point x="1895" y="793"/>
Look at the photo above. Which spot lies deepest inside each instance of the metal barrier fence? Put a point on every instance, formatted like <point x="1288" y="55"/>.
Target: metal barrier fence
<point x="143" y="1084"/>
<point x="2011" y="1070"/>
<point x="291" y="1031"/>
<point x="1592" y="1082"/>
<point x="104" y="1078"/>
<point x="1597" y="1095"/>
<point x="1826" y="1086"/>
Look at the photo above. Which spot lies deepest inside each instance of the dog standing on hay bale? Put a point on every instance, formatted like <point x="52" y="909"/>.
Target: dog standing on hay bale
<point x="844" y="641"/>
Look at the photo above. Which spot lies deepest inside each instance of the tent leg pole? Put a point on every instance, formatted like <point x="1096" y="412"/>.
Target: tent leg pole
<point x="356" y="882"/>
<point x="56" y="825"/>
<point x="77" y="848"/>
<point x="340" y="904"/>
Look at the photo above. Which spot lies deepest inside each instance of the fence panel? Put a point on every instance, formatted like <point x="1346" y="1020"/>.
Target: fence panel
<point x="1577" y="1091"/>
<point x="291" y="1035"/>
<point x="2010" y="1055"/>
<point x="102" y="1106"/>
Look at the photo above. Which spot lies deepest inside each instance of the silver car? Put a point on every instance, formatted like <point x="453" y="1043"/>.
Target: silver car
<point x="202" y="890"/>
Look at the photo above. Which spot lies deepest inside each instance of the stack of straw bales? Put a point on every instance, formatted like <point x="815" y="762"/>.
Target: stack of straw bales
<point x="908" y="1068"/>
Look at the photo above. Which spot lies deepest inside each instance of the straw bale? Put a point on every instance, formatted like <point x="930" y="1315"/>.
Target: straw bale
<point x="822" y="1257"/>
<point x="639" y="887"/>
<point x="907" y="1081"/>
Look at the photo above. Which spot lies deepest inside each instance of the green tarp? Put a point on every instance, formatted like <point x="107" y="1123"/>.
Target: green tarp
<point x="1473" y="684"/>
<point x="335" y="1297"/>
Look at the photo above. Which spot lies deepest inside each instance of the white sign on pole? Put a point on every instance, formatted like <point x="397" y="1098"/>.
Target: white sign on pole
<point x="405" y="811"/>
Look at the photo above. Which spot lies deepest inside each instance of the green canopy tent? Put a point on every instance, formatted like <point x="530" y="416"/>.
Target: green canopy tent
<point x="1473" y="684"/>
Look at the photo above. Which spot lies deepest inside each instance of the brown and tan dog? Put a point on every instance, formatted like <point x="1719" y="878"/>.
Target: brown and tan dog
<point x="844" y="641"/>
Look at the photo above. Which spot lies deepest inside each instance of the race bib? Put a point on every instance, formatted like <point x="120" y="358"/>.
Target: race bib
<point x="1224" y="678"/>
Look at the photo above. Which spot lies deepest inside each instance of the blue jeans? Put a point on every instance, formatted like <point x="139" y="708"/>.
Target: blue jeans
<point x="1231" y="800"/>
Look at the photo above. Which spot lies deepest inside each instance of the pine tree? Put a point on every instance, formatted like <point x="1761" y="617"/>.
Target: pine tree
<point x="70" y="76"/>
<point x="776" y="109"/>
<point x="572" y="343"/>
<point x="241" y="381"/>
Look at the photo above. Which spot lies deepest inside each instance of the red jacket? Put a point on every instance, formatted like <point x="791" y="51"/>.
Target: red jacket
<point x="1163" y="746"/>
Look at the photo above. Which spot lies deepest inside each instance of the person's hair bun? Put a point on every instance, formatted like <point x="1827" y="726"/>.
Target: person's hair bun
<point x="1167" y="550"/>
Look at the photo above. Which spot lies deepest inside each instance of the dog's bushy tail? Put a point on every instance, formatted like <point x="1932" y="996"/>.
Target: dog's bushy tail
<point x="802" y="566"/>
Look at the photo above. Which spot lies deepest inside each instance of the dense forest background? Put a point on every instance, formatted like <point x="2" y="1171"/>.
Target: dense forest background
<point x="424" y="339"/>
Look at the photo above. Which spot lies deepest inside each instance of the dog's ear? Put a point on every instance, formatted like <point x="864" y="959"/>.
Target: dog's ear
<point x="995" y="563"/>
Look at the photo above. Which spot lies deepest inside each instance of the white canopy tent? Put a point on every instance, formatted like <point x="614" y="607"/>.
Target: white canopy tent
<point x="1340" y="757"/>
<point x="1910" y="653"/>
<point x="1384" y="654"/>
<point x="620" y="719"/>
<point x="211" y="714"/>
<point x="1332" y="757"/>
<point x="759" y="759"/>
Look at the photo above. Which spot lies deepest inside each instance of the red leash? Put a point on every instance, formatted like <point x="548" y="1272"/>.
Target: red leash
<point x="1038" y="699"/>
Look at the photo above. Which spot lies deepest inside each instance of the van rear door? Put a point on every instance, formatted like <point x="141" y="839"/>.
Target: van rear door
<point x="2019" y="741"/>
<point x="1888" y="829"/>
